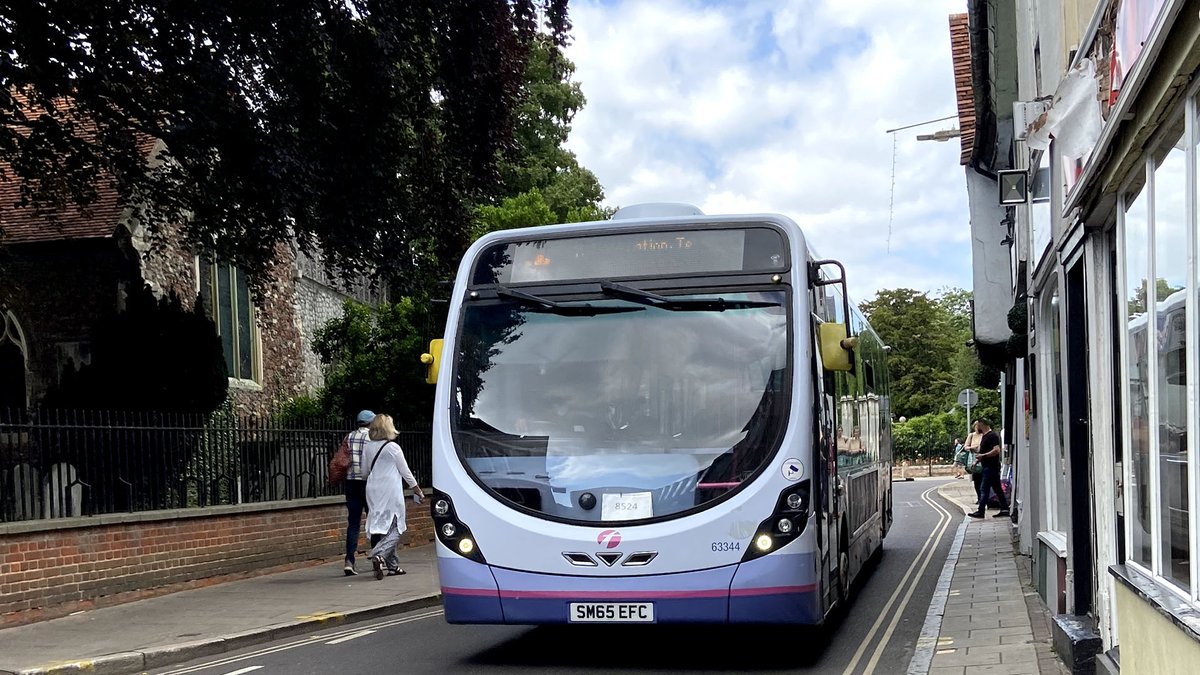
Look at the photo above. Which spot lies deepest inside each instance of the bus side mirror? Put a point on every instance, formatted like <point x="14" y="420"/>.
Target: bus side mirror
<point x="433" y="359"/>
<point x="836" y="346"/>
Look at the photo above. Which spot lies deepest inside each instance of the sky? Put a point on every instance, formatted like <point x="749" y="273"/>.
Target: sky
<point x="784" y="107"/>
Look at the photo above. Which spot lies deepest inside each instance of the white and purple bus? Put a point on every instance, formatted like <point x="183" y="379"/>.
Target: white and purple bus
<point x="665" y="417"/>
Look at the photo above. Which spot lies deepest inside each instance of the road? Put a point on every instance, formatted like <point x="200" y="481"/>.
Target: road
<point x="877" y="635"/>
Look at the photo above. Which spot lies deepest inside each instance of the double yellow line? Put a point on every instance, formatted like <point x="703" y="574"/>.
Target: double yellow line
<point x="907" y="585"/>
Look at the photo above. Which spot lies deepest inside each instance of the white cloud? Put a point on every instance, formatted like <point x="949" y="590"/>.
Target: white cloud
<point x="771" y="106"/>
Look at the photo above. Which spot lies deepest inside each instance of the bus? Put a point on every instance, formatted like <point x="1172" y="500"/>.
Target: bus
<point x="665" y="417"/>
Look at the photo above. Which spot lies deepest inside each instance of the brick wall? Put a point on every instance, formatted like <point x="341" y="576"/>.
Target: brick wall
<point x="53" y="568"/>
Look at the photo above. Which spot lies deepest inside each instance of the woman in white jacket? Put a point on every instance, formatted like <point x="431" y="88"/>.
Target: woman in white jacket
<point x="387" y="472"/>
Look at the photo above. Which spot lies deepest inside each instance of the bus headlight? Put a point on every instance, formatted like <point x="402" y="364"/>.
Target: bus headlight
<point x="784" y="525"/>
<point x="452" y="532"/>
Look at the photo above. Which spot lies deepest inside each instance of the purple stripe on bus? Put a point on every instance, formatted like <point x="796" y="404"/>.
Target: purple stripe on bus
<point x="773" y="590"/>
<point x="591" y="594"/>
<point x="716" y="579"/>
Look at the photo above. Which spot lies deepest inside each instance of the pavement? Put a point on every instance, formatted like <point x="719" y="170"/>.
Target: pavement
<point x="984" y="617"/>
<point x="988" y="616"/>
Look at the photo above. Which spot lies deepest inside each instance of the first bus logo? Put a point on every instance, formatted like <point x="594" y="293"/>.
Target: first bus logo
<point x="609" y="538"/>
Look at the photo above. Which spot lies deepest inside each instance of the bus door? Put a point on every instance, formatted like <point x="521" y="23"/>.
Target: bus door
<point x="825" y="453"/>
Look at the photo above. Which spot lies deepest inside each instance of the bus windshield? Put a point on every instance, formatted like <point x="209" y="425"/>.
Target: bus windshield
<point x="578" y="412"/>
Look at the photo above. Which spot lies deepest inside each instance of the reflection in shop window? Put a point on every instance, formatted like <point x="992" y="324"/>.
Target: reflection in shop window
<point x="1170" y="321"/>
<point x="1137" y="349"/>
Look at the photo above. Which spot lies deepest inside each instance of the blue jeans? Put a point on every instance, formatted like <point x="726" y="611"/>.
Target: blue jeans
<point x="356" y="505"/>
<point x="991" y="481"/>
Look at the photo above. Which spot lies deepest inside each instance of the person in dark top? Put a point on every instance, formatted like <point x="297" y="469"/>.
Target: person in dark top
<point x="989" y="458"/>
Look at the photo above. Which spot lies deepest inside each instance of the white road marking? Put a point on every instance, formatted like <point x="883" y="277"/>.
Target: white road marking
<point x="251" y="669"/>
<point x="908" y="580"/>
<point x="887" y="635"/>
<point x="313" y="639"/>
<point x="361" y="633"/>
<point x="928" y="643"/>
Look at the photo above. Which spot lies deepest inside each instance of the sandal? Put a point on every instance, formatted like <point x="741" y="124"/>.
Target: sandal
<point x="396" y="572"/>
<point x="377" y="563"/>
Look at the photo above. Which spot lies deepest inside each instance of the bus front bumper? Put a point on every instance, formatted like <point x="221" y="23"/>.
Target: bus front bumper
<point x="775" y="589"/>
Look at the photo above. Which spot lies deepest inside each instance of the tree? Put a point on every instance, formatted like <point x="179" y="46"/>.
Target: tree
<point x="524" y="210"/>
<point x="1162" y="291"/>
<point x="539" y="159"/>
<point x="924" y="341"/>
<point x="364" y="129"/>
<point x="371" y="358"/>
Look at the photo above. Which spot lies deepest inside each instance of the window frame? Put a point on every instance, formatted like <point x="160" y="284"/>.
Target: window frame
<point x="1054" y="478"/>
<point x="216" y="267"/>
<point x="1190" y="110"/>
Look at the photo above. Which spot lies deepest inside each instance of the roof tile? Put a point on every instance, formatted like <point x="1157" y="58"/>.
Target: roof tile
<point x="26" y="224"/>
<point x="960" y="50"/>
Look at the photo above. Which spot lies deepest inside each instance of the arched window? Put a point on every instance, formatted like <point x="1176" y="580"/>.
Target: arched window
<point x="14" y="390"/>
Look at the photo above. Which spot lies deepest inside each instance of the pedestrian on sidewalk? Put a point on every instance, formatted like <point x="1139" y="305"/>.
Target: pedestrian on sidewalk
<point x="964" y="459"/>
<point x="355" y="489"/>
<point x="988" y="458"/>
<point x="387" y="473"/>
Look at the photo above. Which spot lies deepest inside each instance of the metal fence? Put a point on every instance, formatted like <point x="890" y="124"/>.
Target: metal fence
<point x="63" y="463"/>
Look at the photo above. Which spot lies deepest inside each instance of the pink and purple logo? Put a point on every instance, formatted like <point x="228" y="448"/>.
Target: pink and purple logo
<point x="609" y="538"/>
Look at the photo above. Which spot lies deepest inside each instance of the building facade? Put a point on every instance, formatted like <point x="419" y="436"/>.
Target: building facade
<point x="1093" y="184"/>
<point x="60" y="276"/>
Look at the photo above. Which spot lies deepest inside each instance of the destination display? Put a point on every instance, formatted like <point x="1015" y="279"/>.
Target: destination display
<point x="633" y="254"/>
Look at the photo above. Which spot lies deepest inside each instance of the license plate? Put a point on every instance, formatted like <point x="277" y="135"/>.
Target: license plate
<point x="612" y="612"/>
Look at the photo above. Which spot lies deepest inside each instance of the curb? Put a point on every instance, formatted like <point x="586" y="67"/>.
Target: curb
<point x="125" y="663"/>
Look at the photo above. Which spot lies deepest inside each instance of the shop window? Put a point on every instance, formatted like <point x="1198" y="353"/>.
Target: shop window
<point x="1170" y="234"/>
<point x="1040" y="216"/>
<point x="1135" y="225"/>
<point x="1159" y="268"/>
<point x="226" y="295"/>
<point x="1056" y="453"/>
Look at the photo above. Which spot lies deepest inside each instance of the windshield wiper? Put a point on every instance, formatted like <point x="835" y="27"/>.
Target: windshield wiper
<point x="678" y="304"/>
<point x="541" y="304"/>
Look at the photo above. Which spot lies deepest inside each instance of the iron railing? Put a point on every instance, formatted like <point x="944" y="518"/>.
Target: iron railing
<point x="62" y="463"/>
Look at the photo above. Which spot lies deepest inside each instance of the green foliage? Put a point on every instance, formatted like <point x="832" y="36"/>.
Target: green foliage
<point x="1162" y="290"/>
<point x="924" y="436"/>
<point x="1018" y="317"/>
<point x="155" y="355"/>
<point x="372" y="359"/>
<point x="932" y="435"/>
<point x="524" y="210"/>
<point x="539" y="160"/>
<point x="925" y="336"/>
<point x="302" y="411"/>
<point x="364" y="130"/>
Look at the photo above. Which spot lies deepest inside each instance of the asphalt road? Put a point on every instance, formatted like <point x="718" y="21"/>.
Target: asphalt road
<point x="877" y="635"/>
